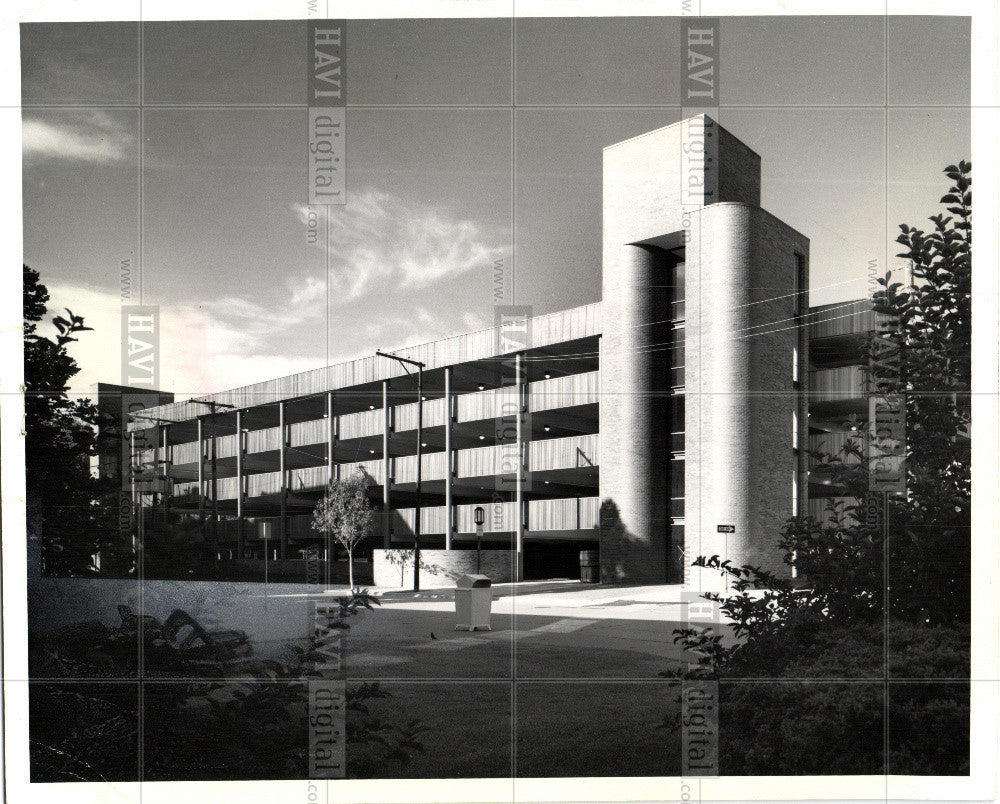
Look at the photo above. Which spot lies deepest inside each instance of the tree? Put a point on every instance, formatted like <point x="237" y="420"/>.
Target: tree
<point x="345" y="512"/>
<point x="930" y="529"/>
<point x="929" y="548"/>
<point x="63" y="499"/>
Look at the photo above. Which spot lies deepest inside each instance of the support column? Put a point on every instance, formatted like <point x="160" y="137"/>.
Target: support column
<point x="331" y="437"/>
<point x="283" y="469"/>
<point x="155" y="478"/>
<point x="201" y="478"/>
<point x="449" y="504"/>
<point x="522" y="404"/>
<point x="215" y="482"/>
<point x="333" y="469"/>
<point x="240" y="470"/>
<point x="635" y="415"/>
<point x="168" y="462"/>
<point x="386" y="466"/>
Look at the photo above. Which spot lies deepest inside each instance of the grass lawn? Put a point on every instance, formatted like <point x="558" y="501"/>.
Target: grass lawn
<point x="496" y="660"/>
<point x="468" y="730"/>
<point x="562" y="729"/>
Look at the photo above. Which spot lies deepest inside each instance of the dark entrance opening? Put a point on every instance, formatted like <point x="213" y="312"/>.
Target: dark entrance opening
<point x="556" y="558"/>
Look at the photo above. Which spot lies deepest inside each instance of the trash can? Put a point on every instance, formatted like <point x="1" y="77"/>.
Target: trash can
<point x="473" y="600"/>
<point x="590" y="568"/>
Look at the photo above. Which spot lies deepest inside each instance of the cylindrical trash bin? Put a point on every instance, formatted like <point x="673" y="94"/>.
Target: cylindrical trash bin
<point x="590" y="571"/>
<point x="473" y="601"/>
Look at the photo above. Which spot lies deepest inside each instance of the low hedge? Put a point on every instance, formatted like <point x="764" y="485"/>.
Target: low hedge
<point x="813" y="699"/>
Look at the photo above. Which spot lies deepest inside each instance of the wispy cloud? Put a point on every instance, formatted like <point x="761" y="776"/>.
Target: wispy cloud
<point x="222" y="343"/>
<point x="230" y="342"/>
<point x="79" y="135"/>
<point x="380" y="241"/>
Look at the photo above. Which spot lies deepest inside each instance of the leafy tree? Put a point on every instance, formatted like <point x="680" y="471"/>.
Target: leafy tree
<point x="345" y="512"/>
<point x="63" y="500"/>
<point x="929" y="549"/>
<point x="930" y="530"/>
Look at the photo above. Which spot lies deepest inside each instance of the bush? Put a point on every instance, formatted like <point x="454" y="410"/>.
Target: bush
<point x="813" y="648"/>
<point x="785" y="728"/>
<point x="788" y="727"/>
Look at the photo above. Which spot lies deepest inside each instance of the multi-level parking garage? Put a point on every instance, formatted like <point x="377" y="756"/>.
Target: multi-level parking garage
<point x="277" y="444"/>
<point x="669" y="420"/>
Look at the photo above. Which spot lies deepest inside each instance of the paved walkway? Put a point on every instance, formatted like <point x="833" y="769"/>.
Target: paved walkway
<point x="551" y="626"/>
<point x="536" y="616"/>
<point x="572" y="599"/>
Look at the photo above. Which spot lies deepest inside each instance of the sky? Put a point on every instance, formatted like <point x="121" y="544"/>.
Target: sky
<point x="470" y="144"/>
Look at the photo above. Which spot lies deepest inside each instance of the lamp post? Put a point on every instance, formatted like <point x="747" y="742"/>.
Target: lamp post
<point x="479" y="516"/>
<point x="405" y="361"/>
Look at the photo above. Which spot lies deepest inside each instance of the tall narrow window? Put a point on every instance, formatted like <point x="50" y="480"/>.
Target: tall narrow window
<point x="801" y="285"/>
<point x="795" y="492"/>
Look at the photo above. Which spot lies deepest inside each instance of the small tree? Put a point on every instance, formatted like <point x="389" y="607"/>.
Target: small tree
<point x="930" y="538"/>
<point x="345" y="512"/>
<point x="73" y="511"/>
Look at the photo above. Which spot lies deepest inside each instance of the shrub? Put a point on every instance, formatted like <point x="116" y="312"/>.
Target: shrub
<point x="828" y="717"/>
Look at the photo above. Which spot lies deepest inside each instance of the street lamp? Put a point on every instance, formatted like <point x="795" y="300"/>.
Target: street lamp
<point x="479" y="517"/>
<point x="405" y="361"/>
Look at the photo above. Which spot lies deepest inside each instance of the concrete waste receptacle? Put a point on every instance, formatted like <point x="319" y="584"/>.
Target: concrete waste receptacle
<point x="589" y="566"/>
<point x="473" y="601"/>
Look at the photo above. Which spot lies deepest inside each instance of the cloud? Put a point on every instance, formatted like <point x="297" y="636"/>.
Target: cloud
<point x="207" y="347"/>
<point x="378" y="241"/>
<point x="230" y="342"/>
<point x="80" y="135"/>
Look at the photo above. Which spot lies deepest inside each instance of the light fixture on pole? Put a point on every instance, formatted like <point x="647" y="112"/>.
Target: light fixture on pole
<point x="479" y="517"/>
<point x="405" y="361"/>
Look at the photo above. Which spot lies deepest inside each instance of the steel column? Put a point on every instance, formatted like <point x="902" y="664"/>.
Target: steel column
<point x="158" y="429"/>
<point x="283" y="469"/>
<point x="240" y="469"/>
<point x="449" y="506"/>
<point x="386" y="475"/>
<point x="331" y="437"/>
<point x="168" y="462"/>
<point x="519" y="370"/>
<point x="417" y="517"/>
<point x="201" y="477"/>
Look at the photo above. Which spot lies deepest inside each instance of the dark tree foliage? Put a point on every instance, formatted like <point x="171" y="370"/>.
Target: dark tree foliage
<point x="863" y="607"/>
<point x="211" y="717"/>
<point x="930" y="530"/>
<point x="928" y="554"/>
<point x="65" y="504"/>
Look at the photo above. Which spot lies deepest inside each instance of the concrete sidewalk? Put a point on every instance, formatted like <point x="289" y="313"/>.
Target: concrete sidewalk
<point x="559" y="598"/>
